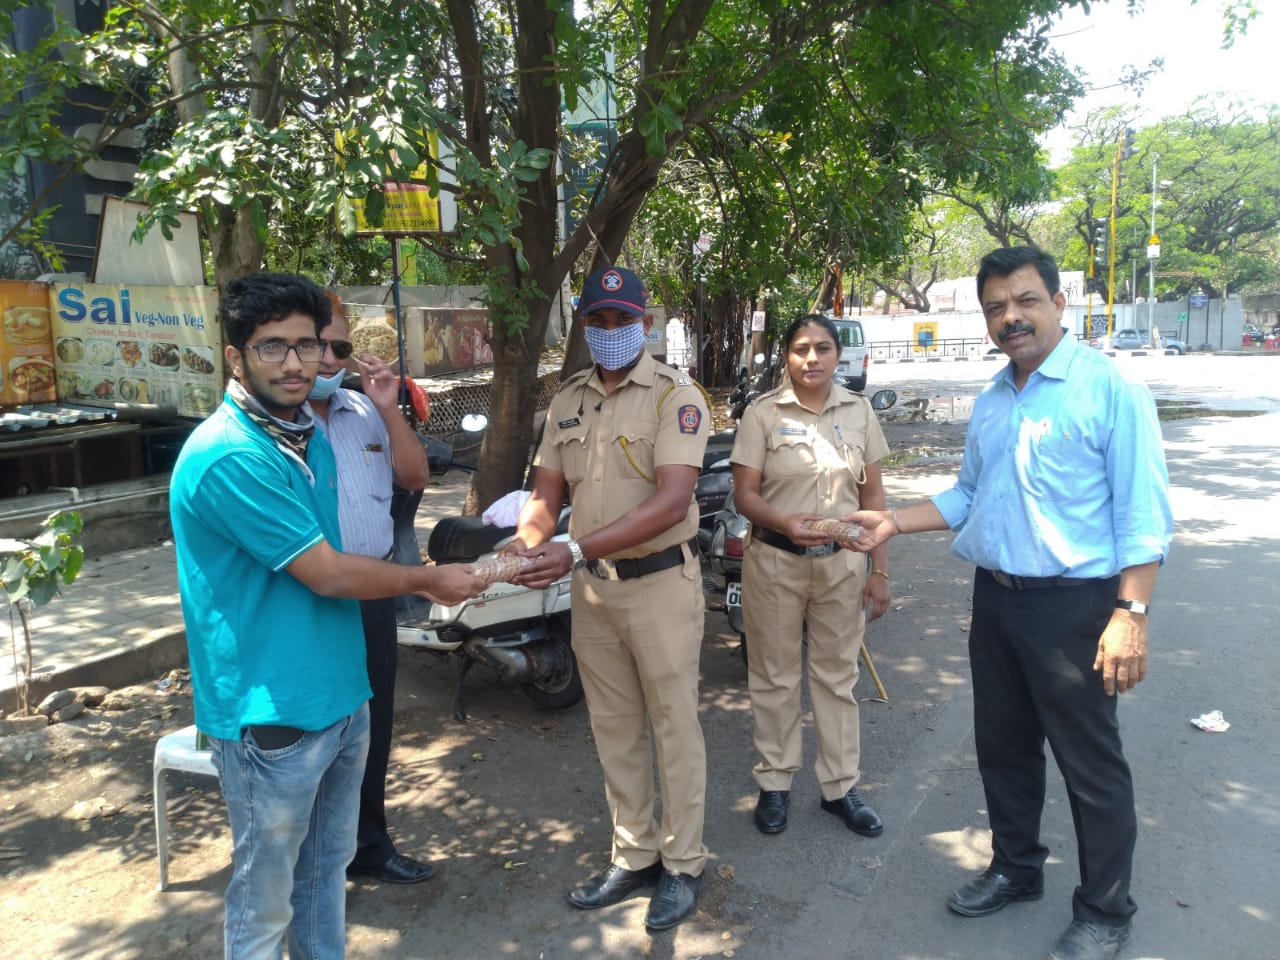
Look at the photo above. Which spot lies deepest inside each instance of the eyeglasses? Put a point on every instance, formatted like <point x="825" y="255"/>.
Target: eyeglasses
<point x="341" y="348"/>
<point x="275" y="351"/>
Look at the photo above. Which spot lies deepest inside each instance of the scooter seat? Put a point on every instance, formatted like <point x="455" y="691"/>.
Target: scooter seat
<point x="464" y="539"/>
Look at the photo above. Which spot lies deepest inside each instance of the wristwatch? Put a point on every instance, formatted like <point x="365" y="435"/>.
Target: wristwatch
<point x="1134" y="606"/>
<point x="575" y="551"/>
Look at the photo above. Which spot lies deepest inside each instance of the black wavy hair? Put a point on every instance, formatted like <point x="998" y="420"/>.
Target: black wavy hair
<point x="799" y="322"/>
<point x="249" y="302"/>
<point x="1005" y="260"/>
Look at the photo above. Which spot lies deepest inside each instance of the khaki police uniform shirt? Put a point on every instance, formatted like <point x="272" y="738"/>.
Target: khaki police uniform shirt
<point x="609" y="446"/>
<point x="810" y="462"/>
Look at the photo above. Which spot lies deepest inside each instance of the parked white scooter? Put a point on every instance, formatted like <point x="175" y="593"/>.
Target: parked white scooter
<point x="522" y="634"/>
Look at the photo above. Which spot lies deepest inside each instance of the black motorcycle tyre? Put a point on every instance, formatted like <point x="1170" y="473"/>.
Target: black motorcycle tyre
<point x="564" y="689"/>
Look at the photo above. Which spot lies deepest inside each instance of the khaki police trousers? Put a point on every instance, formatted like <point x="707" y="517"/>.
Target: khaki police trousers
<point x="638" y="643"/>
<point x="780" y="592"/>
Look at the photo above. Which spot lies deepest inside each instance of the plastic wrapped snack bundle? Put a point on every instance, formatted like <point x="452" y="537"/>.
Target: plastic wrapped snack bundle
<point x="500" y="568"/>
<point x="836" y="529"/>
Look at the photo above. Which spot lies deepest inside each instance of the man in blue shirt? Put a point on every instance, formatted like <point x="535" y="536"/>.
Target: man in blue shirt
<point x="375" y="448"/>
<point x="273" y="630"/>
<point x="1062" y="503"/>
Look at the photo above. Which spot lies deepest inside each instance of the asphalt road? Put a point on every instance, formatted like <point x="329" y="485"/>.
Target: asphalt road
<point x="1205" y="876"/>
<point x="1220" y="382"/>
<point x="511" y="806"/>
<point x="1210" y="819"/>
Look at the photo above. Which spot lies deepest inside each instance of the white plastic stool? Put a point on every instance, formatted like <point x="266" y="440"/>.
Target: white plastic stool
<point x="175" y="751"/>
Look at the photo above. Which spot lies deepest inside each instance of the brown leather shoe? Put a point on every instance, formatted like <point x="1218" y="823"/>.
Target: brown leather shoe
<point x="992" y="891"/>
<point x="613" y="884"/>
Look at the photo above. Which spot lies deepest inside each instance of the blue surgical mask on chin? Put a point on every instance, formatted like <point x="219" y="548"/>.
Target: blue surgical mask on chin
<point x="325" y="386"/>
<point x="616" y="348"/>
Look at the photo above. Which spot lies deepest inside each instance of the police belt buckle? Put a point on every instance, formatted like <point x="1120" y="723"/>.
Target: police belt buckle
<point x="603" y="568"/>
<point x="821" y="550"/>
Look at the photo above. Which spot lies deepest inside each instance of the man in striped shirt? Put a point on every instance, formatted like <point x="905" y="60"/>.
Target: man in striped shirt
<point x="374" y="446"/>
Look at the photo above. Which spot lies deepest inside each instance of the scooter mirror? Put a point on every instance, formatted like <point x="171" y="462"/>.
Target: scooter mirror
<point x="474" y="422"/>
<point x="883" y="399"/>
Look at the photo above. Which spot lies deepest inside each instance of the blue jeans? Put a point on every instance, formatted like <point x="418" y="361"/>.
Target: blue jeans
<point x="293" y="830"/>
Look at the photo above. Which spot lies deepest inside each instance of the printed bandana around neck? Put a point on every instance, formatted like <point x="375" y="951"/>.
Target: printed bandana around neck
<point x="291" y="438"/>
<point x="616" y="348"/>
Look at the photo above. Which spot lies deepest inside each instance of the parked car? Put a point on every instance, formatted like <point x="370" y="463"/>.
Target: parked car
<point x="1128" y="340"/>
<point x="1253" y="336"/>
<point x="1173" y="343"/>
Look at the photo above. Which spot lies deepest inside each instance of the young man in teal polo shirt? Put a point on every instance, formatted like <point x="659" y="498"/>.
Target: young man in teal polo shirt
<point x="273" y="630"/>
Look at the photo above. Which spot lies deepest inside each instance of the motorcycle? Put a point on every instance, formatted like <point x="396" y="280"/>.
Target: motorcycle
<point x="746" y="390"/>
<point x="521" y="634"/>
<point x="714" y="482"/>
<point x="725" y="549"/>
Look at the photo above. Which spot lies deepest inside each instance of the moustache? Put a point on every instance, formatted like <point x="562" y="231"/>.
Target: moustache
<point x="1017" y="328"/>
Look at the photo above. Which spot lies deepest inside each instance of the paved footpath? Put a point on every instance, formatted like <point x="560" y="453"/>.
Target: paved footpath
<point x="121" y="619"/>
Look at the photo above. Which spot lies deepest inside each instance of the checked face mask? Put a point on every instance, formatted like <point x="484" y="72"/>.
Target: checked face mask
<point x="616" y="348"/>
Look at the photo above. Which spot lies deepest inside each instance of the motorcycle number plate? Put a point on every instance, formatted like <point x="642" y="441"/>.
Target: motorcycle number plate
<point x="733" y="594"/>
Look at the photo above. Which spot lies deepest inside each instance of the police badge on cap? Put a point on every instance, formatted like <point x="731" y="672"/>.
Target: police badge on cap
<point x="615" y="287"/>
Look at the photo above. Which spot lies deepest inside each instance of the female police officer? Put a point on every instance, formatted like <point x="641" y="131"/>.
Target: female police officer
<point x="808" y="450"/>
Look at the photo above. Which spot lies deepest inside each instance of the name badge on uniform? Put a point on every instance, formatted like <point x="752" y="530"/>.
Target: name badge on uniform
<point x="794" y="431"/>
<point x="690" y="418"/>
<point x="566" y="424"/>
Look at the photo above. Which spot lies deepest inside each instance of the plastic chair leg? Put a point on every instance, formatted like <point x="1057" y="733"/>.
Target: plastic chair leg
<point x="159" y="799"/>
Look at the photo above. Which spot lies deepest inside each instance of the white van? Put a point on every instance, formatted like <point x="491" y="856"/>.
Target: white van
<point x="855" y="355"/>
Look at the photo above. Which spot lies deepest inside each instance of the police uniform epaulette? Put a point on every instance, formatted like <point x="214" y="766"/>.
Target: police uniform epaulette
<point x="768" y="393"/>
<point x="578" y="375"/>
<point x="846" y="395"/>
<point x="677" y="379"/>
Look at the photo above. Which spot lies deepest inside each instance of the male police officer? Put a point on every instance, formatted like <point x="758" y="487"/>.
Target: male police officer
<point x="627" y="436"/>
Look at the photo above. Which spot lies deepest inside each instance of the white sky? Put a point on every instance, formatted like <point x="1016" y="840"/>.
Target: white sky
<point x="1188" y="36"/>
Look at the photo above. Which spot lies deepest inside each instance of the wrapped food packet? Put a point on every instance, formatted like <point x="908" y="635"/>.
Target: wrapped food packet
<point x="837" y="529"/>
<point x="500" y="568"/>
<point x="376" y="338"/>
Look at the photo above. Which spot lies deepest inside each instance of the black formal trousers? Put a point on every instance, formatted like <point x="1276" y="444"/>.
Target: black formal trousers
<point x="1032" y="652"/>
<point x="373" y="843"/>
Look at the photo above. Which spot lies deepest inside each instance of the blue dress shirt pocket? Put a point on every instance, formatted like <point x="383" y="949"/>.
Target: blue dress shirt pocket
<point x="1056" y="466"/>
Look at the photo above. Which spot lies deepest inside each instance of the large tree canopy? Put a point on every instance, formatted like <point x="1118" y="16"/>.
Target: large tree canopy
<point x="809" y="132"/>
<point x="1217" y="199"/>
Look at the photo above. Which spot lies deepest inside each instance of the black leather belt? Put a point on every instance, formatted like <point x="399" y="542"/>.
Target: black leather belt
<point x="607" y="569"/>
<point x="775" y="539"/>
<point x="1014" y="582"/>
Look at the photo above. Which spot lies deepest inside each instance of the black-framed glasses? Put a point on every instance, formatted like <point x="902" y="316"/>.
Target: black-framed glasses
<point x="275" y="351"/>
<point x="341" y="348"/>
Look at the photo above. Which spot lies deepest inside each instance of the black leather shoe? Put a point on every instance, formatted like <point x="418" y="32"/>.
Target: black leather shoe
<point x="613" y="884"/>
<point x="673" y="901"/>
<point x="1091" y="941"/>
<point x="771" y="810"/>
<point x="992" y="891"/>
<point x="398" y="869"/>
<point x="857" y="816"/>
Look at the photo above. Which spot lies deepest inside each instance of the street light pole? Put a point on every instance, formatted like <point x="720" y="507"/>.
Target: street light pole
<point x="1153" y="250"/>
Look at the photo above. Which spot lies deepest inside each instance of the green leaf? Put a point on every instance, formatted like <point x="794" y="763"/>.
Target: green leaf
<point x="375" y="207"/>
<point x="43" y="590"/>
<point x="72" y="564"/>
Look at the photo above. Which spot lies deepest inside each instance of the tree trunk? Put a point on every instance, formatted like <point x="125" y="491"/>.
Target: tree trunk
<point x="237" y="248"/>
